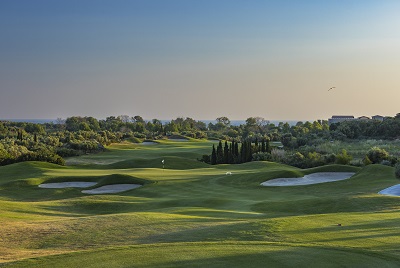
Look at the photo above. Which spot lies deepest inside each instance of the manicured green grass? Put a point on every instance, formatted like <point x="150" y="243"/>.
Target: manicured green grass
<point x="219" y="255"/>
<point x="190" y="214"/>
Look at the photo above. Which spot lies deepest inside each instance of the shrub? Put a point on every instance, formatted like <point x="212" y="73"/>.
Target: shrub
<point x="367" y="161"/>
<point x="260" y="156"/>
<point x="205" y="158"/>
<point x="297" y="160"/>
<point x="397" y="170"/>
<point x="343" y="158"/>
<point x="356" y="163"/>
<point x="377" y="155"/>
<point x="330" y="158"/>
<point x="277" y="155"/>
<point x="314" y="159"/>
<point x="65" y="152"/>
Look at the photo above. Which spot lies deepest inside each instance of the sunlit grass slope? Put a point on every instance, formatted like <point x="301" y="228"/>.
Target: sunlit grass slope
<point x="190" y="214"/>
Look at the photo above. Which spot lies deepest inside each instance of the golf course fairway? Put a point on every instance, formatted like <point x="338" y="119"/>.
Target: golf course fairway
<point x="190" y="214"/>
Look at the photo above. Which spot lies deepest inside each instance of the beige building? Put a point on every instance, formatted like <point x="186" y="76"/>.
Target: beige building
<point x="364" y="118"/>
<point x="378" y="117"/>
<point x="340" y="118"/>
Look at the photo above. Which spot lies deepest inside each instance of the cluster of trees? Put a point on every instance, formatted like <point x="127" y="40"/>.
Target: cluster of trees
<point x="33" y="142"/>
<point x="359" y="129"/>
<point x="80" y="135"/>
<point x="21" y="141"/>
<point x="12" y="151"/>
<point x="231" y="154"/>
<point x="137" y="127"/>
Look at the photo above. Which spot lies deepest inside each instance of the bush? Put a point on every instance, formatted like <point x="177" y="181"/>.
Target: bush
<point x="297" y="160"/>
<point x="343" y="158"/>
<point x="65" y="152"/>
<point x="377" y="155"/>
<point x="277" y="155"/>
<point x="205" y="158"/>
<point x="261" y="156"/>
<point x="330" y="158"/>
<point x="314" y="159"/>
<point x="356" y="163"/>
<point x="366" y="161"/>
<point x="397" y="170"/>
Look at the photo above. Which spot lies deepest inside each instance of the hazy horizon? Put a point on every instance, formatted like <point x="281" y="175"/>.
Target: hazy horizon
<point x="199" y="59"/>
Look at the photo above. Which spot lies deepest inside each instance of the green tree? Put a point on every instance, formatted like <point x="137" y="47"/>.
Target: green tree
<point x="213" y="156"/>
<point x="72" y="123"/>
<point x="231" y="157"/>
<point x="137" y="119"/>
<point x="226" y="153"/>
<point x="286" y="139"/>
<point x="224" y="121"/>
<point x="220" y="153"/>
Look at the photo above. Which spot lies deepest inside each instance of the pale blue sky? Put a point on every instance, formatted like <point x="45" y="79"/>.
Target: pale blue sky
<point x="201" y="59"/>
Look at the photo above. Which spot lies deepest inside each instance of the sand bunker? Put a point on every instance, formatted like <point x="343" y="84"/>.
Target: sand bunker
<point x="148" y="143"/>
<point x="392" y="191"/>
<point x="111" y="189"/>
<point x="72" y="184"/>
<point x="83" y="161"/>
<point x="314" y="178"/>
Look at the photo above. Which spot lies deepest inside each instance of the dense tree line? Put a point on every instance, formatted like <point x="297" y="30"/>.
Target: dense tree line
<point x="245" y="142"/>
<point x="358" y="129"/>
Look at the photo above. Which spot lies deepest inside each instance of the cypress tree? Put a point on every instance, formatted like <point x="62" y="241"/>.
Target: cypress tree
<point x="242" y="155"/>
<point x="256" y="146"/>
<point x="226" y="153"/>
<point x="213" y="156"/>
<point x="263" y="146"/>
<point x="248" y="152"/>
<point x="236" y="149"/>
<point x="231" y="158"/>
<point x="220" y="153"/>
<point x="35" y="137"/>
<point x="267" y="146"/>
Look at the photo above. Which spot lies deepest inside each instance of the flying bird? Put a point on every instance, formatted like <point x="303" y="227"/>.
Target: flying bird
<point x="331" y="88"/>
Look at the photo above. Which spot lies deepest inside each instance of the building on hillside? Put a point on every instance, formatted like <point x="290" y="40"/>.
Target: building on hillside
<point x="340" y="118"/>
<point x="378" y="117"/>
<point x="364" y="118"/>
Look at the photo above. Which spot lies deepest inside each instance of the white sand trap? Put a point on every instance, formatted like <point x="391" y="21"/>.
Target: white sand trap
<point x="148" y="143"/>
<point x="83" y="161"/>
<point x="72" y="184"/>
<point x="111" y="189"/>
<point x="392" y="191"/>
<point x="314" y="178"/>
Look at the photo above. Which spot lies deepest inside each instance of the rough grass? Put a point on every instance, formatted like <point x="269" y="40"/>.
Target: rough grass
<point x="190" y="214"/>
<point x="359" y="149"/>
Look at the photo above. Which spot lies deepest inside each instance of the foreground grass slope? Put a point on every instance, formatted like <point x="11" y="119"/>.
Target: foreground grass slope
<point x="190" y="214"/>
